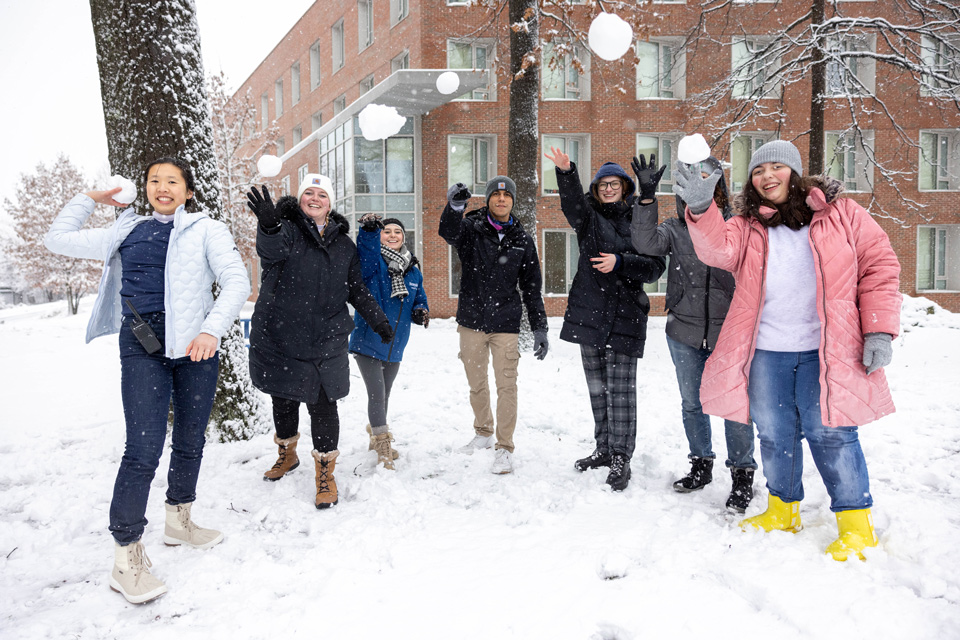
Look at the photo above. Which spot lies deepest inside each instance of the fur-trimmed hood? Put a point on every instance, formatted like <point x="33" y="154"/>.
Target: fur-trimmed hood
<point x="289" y="209"/>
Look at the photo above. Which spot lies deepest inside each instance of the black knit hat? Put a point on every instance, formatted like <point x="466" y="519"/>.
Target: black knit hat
<point x="395" y="221"/>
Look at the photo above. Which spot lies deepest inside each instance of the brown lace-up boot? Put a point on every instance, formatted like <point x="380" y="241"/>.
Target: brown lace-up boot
<point x="373" y="445"/>
<point x="384" y="450"/>
<point x="326" y="484"/>
<point x="287" y="459"/>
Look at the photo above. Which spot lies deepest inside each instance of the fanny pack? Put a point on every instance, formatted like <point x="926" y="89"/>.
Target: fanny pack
<point x="143" y="332"/>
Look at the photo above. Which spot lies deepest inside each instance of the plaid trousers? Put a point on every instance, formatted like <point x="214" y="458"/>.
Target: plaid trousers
<point x="612" y="383"/>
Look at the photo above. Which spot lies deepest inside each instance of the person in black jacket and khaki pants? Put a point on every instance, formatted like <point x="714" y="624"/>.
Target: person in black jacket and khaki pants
<point x="499" y="267"/>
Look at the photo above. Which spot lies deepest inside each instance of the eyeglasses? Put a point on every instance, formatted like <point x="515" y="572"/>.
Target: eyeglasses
<point x="609" y="186"/>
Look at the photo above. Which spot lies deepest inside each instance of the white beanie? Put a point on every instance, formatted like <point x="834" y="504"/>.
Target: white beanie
<point x="316" y="180"/>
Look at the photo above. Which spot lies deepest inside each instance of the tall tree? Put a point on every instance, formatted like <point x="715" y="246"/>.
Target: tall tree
<point x="155" y="104"/>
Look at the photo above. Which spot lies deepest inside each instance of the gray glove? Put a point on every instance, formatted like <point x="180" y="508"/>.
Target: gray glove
<point x="540" y="344"/>
<point x="877" y="351"/>
<point x="457" y="196"/>
<point x="694" y="189"/>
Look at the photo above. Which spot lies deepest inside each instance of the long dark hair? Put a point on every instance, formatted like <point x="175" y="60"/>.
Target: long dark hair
<point x="794" y="213"/>
<point x="185" y="170"/>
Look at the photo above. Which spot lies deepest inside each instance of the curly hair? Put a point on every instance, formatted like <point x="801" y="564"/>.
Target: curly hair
<point x="794" y="213"/>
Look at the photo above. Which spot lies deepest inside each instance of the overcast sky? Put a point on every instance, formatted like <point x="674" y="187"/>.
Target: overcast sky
<point x="48" y="73"/>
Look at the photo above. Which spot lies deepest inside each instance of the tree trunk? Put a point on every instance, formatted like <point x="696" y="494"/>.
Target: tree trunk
<point x="154" y="105"/>
<point x="818" y="88"/>
<point x="73" y="300"/>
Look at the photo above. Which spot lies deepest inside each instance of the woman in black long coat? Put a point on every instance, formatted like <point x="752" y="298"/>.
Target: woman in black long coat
<point x="301" y="325"/>
<point x="607" y="307"/>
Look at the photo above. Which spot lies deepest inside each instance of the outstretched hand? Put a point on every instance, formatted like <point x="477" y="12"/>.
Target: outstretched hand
<point x="263" y="207"/>
<point x="695" y="189"/>
<point x="559" y="159"/>
<point x="106" y="197"/>
<point x="648" y="176"/>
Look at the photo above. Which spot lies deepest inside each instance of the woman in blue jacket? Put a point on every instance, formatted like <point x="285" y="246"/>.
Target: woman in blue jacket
<point x="391" y="273"/>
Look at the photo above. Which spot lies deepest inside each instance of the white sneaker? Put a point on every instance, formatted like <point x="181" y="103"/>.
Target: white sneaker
<point x="478" y="442"/>
<point x="502" y="462"/>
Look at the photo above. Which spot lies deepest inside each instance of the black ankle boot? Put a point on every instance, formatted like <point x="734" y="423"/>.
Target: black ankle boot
<point x="592" y="461"/>
<point x="742" y="492"/>
<point x="619" y="474"/>
<point x="701" y="474"/>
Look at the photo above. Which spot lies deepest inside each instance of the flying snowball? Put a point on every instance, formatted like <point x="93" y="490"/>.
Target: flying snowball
<point x="379" y="122"/>
<point x="448" y="82"/>
<point x="128" y="190"/>
<point x="693" y="149"/>
<point x="610" y="36"/>
<point x="269" y="166"/>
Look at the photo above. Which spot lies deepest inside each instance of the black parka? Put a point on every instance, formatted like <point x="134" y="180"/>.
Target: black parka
<point x="300" y="325"/>
<point x="605" y="308"/>
<point x="492" y="271"/>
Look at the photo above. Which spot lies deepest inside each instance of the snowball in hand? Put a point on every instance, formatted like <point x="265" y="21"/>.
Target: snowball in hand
<point x="269" y="166"/>
<point x="378" y="122"/>
<point x="610" y="36"/>
<point x="128" y="190"/>
<point x="448" y="82"/>
<point x="693" y="149"/>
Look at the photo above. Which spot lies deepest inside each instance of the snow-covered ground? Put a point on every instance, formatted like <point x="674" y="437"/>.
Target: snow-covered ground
<point x="442" y="548"/>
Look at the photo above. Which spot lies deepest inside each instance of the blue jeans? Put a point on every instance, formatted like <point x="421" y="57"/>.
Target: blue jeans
<point x="785" y="403"/>
<point x="689" y="362"/>
<point x="147" y="383"/>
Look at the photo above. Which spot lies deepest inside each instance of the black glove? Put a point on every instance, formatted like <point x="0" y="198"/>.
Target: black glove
<point x="262" y="207"/>
<point x="420" y="316"/>
<point x="540" y="344"/>
<point x="647" y="176"/>
<point x="385" y="331"/>
<point x="371" y="222"/>
<point x="457" y="195"/>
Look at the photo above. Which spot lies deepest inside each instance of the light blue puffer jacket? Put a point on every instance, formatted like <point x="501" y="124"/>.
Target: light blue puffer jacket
<point x="201" y="251"/>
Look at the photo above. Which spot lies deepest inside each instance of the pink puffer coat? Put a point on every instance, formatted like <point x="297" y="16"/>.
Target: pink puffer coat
<point x="857" y="293"/>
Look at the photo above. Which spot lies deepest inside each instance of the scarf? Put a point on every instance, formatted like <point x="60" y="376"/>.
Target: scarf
<point x="499" y="225"/>
<point x="397" y="263"/>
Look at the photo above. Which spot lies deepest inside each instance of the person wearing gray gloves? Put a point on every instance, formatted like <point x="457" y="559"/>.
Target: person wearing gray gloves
<point x="499" y="268"/>
<point x="809" y="329"/>
<point x="697" y="300"/>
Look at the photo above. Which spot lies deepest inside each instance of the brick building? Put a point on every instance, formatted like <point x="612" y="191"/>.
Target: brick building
<point x="341" y="56"/>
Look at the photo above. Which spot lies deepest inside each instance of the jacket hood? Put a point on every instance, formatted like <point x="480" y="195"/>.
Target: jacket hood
<point x="613" y="169"/>
<point x="289" y="209"/>
<point x="830" y="188"/>
<point x="727" y="211"/>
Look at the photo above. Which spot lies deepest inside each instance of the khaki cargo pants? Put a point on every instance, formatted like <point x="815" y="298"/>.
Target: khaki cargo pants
<point x="476" y="349"/>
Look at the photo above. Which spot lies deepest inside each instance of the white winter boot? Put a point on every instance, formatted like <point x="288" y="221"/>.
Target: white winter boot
<point x="131" y="575"/>
<point x="180" y="529"/>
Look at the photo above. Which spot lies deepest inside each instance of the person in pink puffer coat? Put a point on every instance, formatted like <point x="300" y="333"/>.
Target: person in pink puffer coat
<point x="809" y="329"/>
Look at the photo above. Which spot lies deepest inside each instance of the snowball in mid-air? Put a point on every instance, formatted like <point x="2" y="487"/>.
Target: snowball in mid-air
<point x="448" y="82"/>
<point x="379" y="122"/>
<point x="693" y="149"/>
<point x="610" y="36"/>
<point x="269" y="166"/>
<point x="128" y="190"/>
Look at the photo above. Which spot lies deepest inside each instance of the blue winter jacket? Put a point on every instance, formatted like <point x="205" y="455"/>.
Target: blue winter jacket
<point x="363" y="340"/>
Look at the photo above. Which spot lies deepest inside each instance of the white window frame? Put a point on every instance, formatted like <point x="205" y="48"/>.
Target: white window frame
<point x="458" y="3"/>
<point x="935" y="54"/>
<point x="316" y="121"/>
<point x="285" y="185"/>
<point x="337" y="46"/>
<point x="264" y="111"/>
<point x="302" y="172"/>
<point x="583" y="161"/>
<point x="943" y="161"/>
<point x="659" y="288"/>
<point x="316" y="77"/>
<point x="570" y="270"/>
<point x="294" y="83"/>
<point x="839" y="83"/>
<point x="296" y="135"/>
<point x="401" y="61"/>
<point x="664" y="141"/>
<point x="453" y="262"/>
<point x="846" y="152"/>
<point x="943" y="268"/>
<point x="670" y="75"/>
<point x="754" y="140"/>
<point x="278" y="96"/>
<point x="281" y="146"/>
<point x="476" y="185"/>
<point x="574" y="90"/>
<point x="742" y="56"/>
<point x="364" y="23"/>
<point x="367" y="84"/>
<point x="487" y="93"/>
<point x="339" y="103"/>
<point x="399" y="9"/>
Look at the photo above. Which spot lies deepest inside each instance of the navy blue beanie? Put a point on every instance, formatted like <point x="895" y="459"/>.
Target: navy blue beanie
<point x="613" y="169"/>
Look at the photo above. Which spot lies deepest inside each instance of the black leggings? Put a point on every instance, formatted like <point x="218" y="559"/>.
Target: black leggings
<point x="324" y="421"/>
<point x="378" y="377"/>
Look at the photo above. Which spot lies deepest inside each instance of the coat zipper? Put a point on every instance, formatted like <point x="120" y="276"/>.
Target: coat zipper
<point x="756" y="324"/>
<point x="706" y="312"/>
<point x="823" y="345"/>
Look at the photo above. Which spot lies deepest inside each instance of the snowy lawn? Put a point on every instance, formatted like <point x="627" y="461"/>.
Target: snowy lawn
<point x="442" y="548"/>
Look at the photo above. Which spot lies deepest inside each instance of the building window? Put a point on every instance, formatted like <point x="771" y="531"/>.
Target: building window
<point x="576" y="146"/>
<point x="264" y="112"/>
<point x="297" y="134"/>
<point x="455" y="269"/>
<point x="938" y="265"/>
<point x="846" y="75"/>
<point x="472" y="54"/>
<point x="665" y="147"/>
<point x="278" y="96"/>
<point x="281" y="147"/>
<point x="336" y="38"/>
<point x="848" y="159"/>
<point x="471" y="160"/>
<point x="315" y="65"/>
<point x="339" y="104"/>
<point x="294" y="83"/>
<point x="365" y="23"/>
<point x="660" y="70"/>
<point x="560" y="256"/>
<point x="402" y="61"/>
<point x="939" y="161"/>
<point x="660" y="286"/>
<point x="316" y="121"/>
<point x="366" y="84"/>
<point x="285" y="186"/>
<point x="458" y="3"/>
<point x="565" y="73"/>
<point x="940" y="57"/>
<point x="302" y="173"/>
<point x="399" y="9"/>
<point x="751" y="69"/>
<point x="741" y="150"/>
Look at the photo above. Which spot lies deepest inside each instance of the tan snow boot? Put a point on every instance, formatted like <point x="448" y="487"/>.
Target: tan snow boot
<point x="131" y="575"/>
<point x="384" y="451"/>
<point x="326" y="484"/>
<point x="287" y="459"/>
<point x="180" y="529"/>
<point x="373" y="446"/>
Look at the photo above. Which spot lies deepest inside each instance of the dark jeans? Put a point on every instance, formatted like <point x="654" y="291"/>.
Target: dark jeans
<point x="324" y="421"/>
<point x="147" y="384"/>
<point x="378" y="377"/>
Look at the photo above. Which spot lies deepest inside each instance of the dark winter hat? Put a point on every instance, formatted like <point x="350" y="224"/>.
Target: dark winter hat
<point x="501" y="183"/>
<point x="395" y="221"/>
<point x="777" y="151"/>
<point x="613" y="169"/>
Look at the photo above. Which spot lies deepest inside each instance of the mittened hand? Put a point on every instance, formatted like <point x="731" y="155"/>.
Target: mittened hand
<point x="877" y="351"/>
<point x="648" y="176"/>
<point x="371" y="221"/>
<point x="263" y="207"/>
<point x="540" y="344"/>
<point x="385" y="331"/>
<point x="457" y="195"/>
<point x="420" y="316"/>
<point x="694" y="189"/>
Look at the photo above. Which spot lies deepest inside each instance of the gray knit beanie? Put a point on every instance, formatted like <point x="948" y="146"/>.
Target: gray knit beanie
<point x="777" y="151"/>
<point x="501" y="183"/>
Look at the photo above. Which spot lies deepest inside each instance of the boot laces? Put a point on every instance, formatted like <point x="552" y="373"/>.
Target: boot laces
<point x="183" y="516"/>
<point x="323" y="485"/>
<point x="138" y="561"/>
<point x="281" y="459"/>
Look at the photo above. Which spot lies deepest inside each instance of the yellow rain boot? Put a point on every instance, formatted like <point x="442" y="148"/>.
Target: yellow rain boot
<point x="779" y="516"/>
<point x="856" y="533"/>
